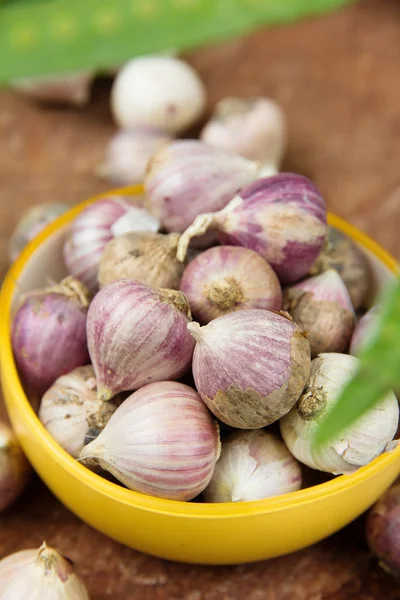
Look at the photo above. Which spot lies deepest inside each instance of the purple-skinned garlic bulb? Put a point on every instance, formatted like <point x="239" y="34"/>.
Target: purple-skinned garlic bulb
<point x="322" y="306"/>
<point x="343" y="255"/>
<point x="161" y="441"/>
<point x="189" y="177"/>
<point x="49" y="333"/>
<point x="71" y="411"/>
<point x="128" y="154"/>
<point x="282" y="217"/>
<point x="94" y="227"/>
<point x="255" y="128"/>
<point x="253" y="465"/>
<point x="250" y="367"/>
<point x="137" y="335"/>
<point x="229" y="278"/>
<point x="365" y="330"/>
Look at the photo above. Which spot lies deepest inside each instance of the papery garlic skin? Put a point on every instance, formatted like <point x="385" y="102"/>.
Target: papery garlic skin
<point x="137" y="335"/>
<point x="49" y="333"/>
<point x="255" y="128"/>
<point x="281" y="217"/>
<point x="342" y="254"/>
<point x="147" y="257"/>
<point x="161" y="441"/>
<point x="250" y="366"/>
<point x="253" y="465"/>
<point x="365" y="330"/>
<point x="70" y="409"/>
<point x="189" y="177"/>
<point x="31" y="223"/>
<point x="93" y="228"/>
<point x="67" y="88"/>
<point x="226" y="279"/>
<point x="157" y="91"/>
<point x="39" y="575"/>
<point x="359" y="444"/>
<point x="128" y="154"/>
<point x="14" y="468"/>
<point x="322" y="306"/>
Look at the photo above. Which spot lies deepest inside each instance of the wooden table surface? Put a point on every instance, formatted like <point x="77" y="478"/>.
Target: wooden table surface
<point x="337" y="77"/>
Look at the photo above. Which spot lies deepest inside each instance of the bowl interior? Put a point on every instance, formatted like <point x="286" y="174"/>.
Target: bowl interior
<point x="42" y="263"/>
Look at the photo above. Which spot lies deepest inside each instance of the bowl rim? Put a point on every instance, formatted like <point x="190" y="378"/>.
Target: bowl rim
<point x="137" y="500"/>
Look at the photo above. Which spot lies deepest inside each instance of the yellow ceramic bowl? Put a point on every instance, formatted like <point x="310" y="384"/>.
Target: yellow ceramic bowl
<point x="188" y="532"/>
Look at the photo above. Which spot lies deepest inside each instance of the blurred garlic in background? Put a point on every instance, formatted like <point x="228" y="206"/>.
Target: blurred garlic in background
<point x="128" y="154"/>
<point x="68" y="88"/>
<point x="31" y="223"/>
<point x="157" y="91"/>
<point x="255" y="128"/>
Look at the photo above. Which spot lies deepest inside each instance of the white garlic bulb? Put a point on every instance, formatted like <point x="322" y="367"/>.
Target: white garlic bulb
<point x="71" y="411"/>
<point x="255" y="128"/>
<point x="157" y="91"/>
<point x="128" y="154"/>
<point x="253" y="465"/>
<point x="39" y="575"/>
<point x="360" y="443"/>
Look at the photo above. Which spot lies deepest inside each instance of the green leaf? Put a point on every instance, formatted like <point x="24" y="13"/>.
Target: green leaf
<point x="55" y="36"/>
<point x="379" y="371"/>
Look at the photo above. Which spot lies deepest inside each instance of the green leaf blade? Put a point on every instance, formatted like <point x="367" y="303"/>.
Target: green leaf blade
<point x="55" y="36"/>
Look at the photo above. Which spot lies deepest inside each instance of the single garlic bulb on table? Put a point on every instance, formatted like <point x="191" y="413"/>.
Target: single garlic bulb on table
<point x="67" y="88"/>
<point x="360" y="443"/>
<point x="39" y="575"/>
<point x="255" y="128"/>
<point x="157" y="91"/>
<point x="128" y="154"/>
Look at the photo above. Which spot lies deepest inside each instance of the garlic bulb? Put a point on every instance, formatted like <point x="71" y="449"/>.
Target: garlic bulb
<point x="94" y="227"/>
<point x="161" y="441"/>
<point x="128" y="154"/>
<point x="250" y="366"/>
<point x="31" y="223"/>
<point x="137" y="335"/>
<point x="253" y="127"/>
<point x="157" y="91"/>
<point x="321" y="305"/>
<point x="282" y="217"/>
<point x="39" y="575"/>
<point x="66" y="88"/>
<point x="71" y="411"/>
<point x="342" y="254"/>
<point x="147" y="257"/>
<point x="226" y="279"/>
<point x="49" y="333"/>
<point x="365" y="330"/>
<point x="253" y="465"/>
<point x="357" y="445"/>
<point x="14" y="468"/>
<point x="188" y="177"/>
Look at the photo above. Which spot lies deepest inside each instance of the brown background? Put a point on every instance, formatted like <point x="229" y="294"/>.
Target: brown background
<point x="337" y="77"/>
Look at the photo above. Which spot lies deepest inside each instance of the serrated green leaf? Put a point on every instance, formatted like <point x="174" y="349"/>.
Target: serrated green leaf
<point x="379" y="372"/>
<point x="56" y="36"/>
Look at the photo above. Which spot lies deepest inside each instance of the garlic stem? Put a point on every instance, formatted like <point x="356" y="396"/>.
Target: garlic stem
<point x="195" y="331"/>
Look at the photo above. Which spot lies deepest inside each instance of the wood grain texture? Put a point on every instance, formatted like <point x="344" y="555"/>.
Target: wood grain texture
<point x="337" y="79"/>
